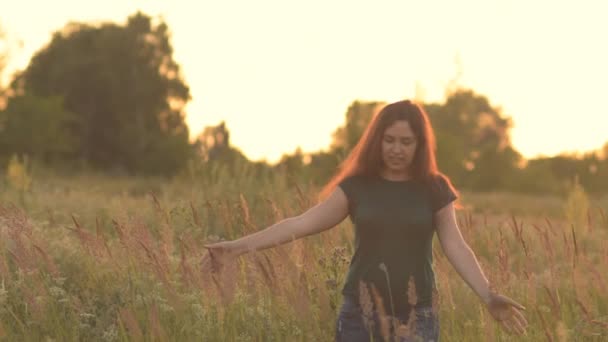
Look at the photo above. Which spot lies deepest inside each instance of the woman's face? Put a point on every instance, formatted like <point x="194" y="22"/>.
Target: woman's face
<point x="398" y="147"/>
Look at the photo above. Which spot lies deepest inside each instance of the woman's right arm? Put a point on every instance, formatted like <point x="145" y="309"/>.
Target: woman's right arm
<point x="322" y="216"/>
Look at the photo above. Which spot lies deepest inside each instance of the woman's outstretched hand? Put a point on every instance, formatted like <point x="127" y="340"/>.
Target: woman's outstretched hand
<point x="507" y="312"/>
<point x="219" y="256"/>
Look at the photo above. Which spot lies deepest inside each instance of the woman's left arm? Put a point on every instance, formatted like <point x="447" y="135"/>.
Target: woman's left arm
<point x="459" y="253"/>
<point x="504" y="309"/>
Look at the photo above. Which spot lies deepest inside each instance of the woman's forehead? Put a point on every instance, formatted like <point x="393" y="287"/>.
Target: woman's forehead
<point x="399" y="128"/>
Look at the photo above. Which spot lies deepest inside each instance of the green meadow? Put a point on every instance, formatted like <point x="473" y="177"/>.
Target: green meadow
<point x="93" y="257"/>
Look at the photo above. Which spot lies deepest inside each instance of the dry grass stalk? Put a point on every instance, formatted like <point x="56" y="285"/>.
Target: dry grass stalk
<point x="555" y="304"/>
<point x="15" y="219"/>
<point x="276" y="214"/>
<point x="567" y="245"/>
<point x="129" y="321"/>
<point x="15" y="224"/>
<point x="166" y="246"/>
<point x="158" y="268"/>
<point x="412" y="297"/>
<point x="409" y="328"/>
<point x="101" y="237"/>
<point x="303" y="201"/>
<point x="195" y="216"/>
<point x="598" y="277"/>
<point x="503" y="259"/>
<point x="580" y="285"/>
<point x="225" y="282"/>
<point x="435" y="301"/>
<point x="574" y="241"/>
<point x="51" y="217"/>
<point x="248" y="226"/>
<point x="384" y="320"/>
<point x="583" y="308"/>
<point x="289" y="275"/>
<point x="300" y="298"/>
<point x="561" y="331"/>
<point x="550" y="226"/>
<point x="384" y="269"/>
<point x="50" y="264"/>
<point x="227" y="218"/>
<point x="35" y="295"/>
<point x="286" y="270"/>
<point x="4" y="271"/>
<point x="166" y="229"/>
<point x="367" y="306"/>
<point x="268" y="279"/>
<point x="92" y="244"/>
<point x="604" y="217"/>
<point x="600" y="323"/>
<point x="210" y="213"/>
<point x="120" y="231"/>
<point x="518" y="231"/>
<point x="544" y="325"/>
<point x="21" y="256"/>
<point x="448" y="288"/>
<point x="186" y="272"/>
<point x="156" y="330"/>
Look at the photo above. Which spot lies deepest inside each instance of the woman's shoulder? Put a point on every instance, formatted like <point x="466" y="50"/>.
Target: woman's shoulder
<point x="439" y="180"/>
<point x="441" y="190"/>
<point x="350" y="180"/>
<point x="355" y="181"/>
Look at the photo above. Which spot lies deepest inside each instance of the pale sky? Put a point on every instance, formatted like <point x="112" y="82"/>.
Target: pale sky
<point x="282" y="73"/>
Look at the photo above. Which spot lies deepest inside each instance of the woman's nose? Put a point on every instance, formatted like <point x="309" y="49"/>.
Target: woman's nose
<point x="396" y="148"/>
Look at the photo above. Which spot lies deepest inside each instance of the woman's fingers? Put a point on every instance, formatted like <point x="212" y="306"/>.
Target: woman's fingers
<point x="207" y="263"/>
<point x="512" y="302"/>
<point x="514" y="322"/>
<point x="519" y="316"/>
<point x="211" y="262"/>
<point x="507" y="326"/>
<point x="517" y="325"/>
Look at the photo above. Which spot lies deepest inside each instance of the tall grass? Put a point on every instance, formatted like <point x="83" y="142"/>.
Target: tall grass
<point x="93" y="258"/>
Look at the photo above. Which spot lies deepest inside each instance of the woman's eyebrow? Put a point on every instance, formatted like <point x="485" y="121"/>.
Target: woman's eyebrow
<point x="409" y="137"/>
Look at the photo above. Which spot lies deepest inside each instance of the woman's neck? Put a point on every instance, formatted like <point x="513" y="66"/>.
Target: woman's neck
<point x="395" y="176"/>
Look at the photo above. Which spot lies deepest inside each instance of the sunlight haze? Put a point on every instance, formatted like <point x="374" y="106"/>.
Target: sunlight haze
<point x="281" y="74"/>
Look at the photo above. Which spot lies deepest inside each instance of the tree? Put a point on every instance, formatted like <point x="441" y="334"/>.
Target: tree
<point x="125" y="87"/>
<point x="358" y="116"/>
<point x="213" y="146"/>
<point x="473" y="143"/>
<point x="213" y="142"/>
<point x="37" y="127"/>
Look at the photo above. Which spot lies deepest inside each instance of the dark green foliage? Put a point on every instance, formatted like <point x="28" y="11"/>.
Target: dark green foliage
<point x="37" y="127"/>
<point x="125" y="88"/>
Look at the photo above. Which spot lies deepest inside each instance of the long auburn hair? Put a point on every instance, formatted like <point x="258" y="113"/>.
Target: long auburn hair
<point x="366" y="157"/>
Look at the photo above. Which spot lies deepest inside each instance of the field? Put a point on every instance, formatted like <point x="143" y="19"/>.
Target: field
<point x="113" y="258"/>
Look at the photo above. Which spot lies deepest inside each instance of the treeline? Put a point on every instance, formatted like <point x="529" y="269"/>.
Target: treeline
<point x="473" y="148"/>
<point x="111" y="98"/>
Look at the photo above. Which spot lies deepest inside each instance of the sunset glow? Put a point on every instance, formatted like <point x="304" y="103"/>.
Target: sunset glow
<point x="282" y="74"/>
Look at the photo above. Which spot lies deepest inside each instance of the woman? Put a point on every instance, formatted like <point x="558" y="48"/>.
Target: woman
<point x="396" y="198"/>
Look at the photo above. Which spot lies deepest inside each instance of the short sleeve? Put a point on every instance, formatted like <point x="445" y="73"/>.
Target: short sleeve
<point x="347" y="185"/>
<point x="442" y="193"/>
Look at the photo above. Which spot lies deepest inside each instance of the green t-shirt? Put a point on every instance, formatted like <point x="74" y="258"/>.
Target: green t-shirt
<point x="394" y="226"/>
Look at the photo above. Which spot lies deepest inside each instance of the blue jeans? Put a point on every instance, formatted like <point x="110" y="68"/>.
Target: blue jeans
<point x="350" y="326"/>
